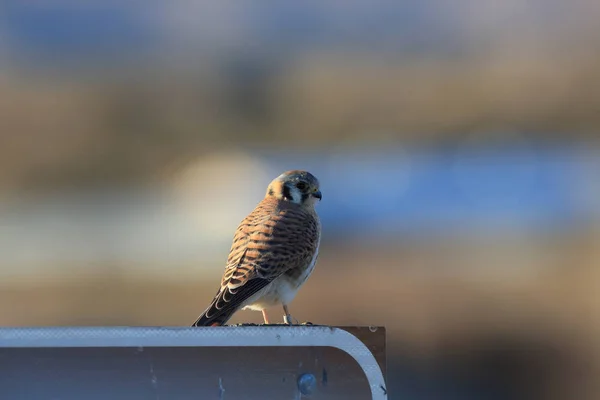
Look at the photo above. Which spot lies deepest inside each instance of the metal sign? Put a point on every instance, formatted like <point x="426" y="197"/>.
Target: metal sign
<point x="232" y="362"/>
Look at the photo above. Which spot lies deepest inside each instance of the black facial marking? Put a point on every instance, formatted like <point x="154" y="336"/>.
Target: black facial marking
<point x="305" y="196"/>
<point x="286" y="192"/>
<point x="271" y="192"/>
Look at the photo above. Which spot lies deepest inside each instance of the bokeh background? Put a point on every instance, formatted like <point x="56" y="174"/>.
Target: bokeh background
<point x="457" y="144"/>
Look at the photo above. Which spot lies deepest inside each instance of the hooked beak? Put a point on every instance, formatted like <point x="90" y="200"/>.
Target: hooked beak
<point x="317" y="194"/>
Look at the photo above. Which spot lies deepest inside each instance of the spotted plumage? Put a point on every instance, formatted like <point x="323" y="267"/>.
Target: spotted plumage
<point x="274" y="251"/>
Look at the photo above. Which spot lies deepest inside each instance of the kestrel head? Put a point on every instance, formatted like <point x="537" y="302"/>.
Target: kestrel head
<point x="300" y="187"/>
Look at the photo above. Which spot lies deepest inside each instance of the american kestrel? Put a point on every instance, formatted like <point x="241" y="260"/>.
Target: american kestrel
<point x="274" y="251"/>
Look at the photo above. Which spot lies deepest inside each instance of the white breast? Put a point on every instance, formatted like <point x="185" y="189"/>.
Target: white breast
<point x="287" y="290"/>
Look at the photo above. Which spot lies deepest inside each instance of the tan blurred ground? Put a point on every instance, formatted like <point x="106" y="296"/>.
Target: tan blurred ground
<point x="150" y="125"/>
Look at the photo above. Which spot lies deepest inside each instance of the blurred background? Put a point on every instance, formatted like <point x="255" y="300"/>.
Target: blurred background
<point x="457" y="144"/>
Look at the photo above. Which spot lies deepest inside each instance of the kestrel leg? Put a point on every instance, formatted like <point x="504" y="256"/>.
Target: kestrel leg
<point x="287" y="317"/>
<point x="265" y="316"/>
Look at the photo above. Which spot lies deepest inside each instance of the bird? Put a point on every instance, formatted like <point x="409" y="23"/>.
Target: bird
<point x="274" y="251"/>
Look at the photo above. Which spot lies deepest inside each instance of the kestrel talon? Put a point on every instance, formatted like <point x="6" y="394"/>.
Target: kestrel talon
<point x="274" y="251"/>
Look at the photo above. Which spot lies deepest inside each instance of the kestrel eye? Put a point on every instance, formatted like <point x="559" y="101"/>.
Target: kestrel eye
<point x="301" y="185"/>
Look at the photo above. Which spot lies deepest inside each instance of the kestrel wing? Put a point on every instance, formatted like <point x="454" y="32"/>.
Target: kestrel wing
<point x="283" y="242"/>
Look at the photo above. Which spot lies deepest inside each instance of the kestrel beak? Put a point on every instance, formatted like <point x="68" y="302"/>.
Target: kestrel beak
<point x="317" y="194"/>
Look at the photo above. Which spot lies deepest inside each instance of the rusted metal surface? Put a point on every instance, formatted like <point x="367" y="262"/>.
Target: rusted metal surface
<point x="193" y="363"/>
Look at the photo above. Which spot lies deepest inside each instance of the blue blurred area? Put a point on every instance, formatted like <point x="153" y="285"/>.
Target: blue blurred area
<point x="68" y="29"/>
<point x="63" y="29"/>
<point x="64" y="32"/>
<point x="389" y="190"/>
<point x="383" y="194"/>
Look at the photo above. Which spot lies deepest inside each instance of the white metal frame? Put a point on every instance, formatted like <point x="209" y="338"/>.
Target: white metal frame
<point x="202" y="337"/>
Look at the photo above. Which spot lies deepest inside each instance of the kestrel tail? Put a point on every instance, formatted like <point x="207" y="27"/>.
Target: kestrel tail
<point x="274" y="251"/>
